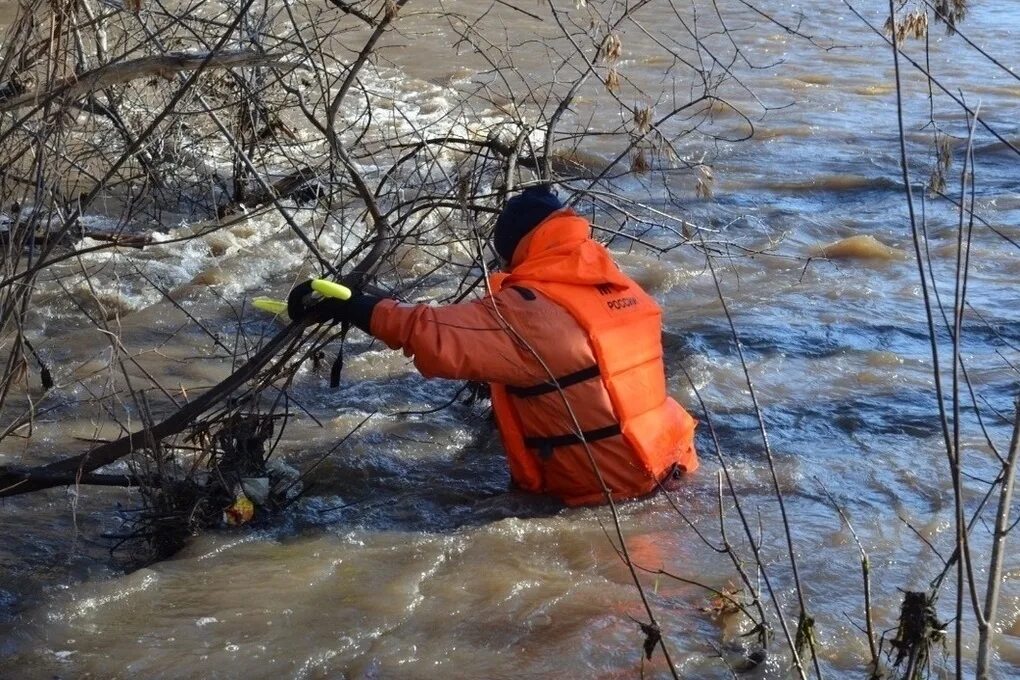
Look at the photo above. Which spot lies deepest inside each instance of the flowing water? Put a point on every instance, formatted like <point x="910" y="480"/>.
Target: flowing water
<point x="410" y="559"/>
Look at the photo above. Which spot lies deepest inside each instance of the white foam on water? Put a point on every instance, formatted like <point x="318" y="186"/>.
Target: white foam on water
<point x="227" y="546"/>
<point x="88" y="606"/>
<point x="241" y="258"/>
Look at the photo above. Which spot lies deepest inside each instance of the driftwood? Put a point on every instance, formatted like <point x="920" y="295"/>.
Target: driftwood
<point x="161" y="66"/>
<point x="302" y="185"/>
<point x="41" y="239"/>
<point x="139" y="241"/>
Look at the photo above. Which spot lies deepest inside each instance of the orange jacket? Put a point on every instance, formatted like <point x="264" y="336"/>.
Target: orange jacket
<point x="564" y="311"/>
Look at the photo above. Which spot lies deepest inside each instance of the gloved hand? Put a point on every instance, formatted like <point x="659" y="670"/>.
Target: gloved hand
<point x="304" y="304"/>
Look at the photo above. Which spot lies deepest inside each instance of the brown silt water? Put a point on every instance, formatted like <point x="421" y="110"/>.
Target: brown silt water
<point x="407" y="555"/>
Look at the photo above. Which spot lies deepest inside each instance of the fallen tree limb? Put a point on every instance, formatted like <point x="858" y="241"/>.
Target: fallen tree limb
<point x="162" y="66"/>
<point x="302" y="185"/>
<point x="348" y="8"/>
<point x="139" y="241"/>
<point x="15" y="482"/>
<point x="93" y="479"/>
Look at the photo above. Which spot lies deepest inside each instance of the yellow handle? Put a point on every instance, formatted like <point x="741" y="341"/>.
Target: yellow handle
<point x="269" y="305"/>
<point x="330" y="289"/>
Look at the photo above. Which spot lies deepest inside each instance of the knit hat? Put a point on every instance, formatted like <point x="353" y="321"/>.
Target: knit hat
<point x="522" y="214"/>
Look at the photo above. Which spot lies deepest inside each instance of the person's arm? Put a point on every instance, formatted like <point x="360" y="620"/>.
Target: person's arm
<point x="466" y="341"/>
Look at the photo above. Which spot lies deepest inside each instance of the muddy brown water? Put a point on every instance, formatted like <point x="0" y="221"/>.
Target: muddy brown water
<point x="411" y="559"/>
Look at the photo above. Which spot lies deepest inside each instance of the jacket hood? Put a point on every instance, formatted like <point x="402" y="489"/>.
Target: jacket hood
<point x="560" y="250"/>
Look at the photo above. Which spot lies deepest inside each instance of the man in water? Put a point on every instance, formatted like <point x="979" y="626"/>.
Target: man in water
<point x="570" y="346"/>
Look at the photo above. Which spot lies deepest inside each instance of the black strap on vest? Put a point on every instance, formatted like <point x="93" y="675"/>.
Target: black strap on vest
<point x="525" y="293"/>
<point x="555" y="384"/>
<point x="545" y="445"/>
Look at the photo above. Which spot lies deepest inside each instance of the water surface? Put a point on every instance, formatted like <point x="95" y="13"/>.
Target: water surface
<point x="411" y="559"/>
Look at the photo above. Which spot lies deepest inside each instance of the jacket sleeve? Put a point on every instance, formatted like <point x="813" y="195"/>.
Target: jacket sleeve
<point x="466" y="341"/>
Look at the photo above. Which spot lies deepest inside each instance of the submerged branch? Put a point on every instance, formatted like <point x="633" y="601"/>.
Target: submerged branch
<point x="14" y="482"/>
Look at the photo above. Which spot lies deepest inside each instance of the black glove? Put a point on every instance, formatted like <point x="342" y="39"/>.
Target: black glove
<point x="303" y="304"/>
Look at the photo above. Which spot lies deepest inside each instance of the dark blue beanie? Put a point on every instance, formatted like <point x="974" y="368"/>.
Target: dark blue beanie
<point x="522" y="214"/>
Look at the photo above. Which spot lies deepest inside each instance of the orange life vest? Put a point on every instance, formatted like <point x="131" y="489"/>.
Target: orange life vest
<point x="645" y="434"/>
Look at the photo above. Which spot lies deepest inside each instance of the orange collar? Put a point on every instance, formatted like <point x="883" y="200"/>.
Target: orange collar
<point x="560" y="250"/>
<point x="563" y="227"/>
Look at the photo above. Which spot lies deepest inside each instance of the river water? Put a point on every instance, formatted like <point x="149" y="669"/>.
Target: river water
<point x="410" y="559"/>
